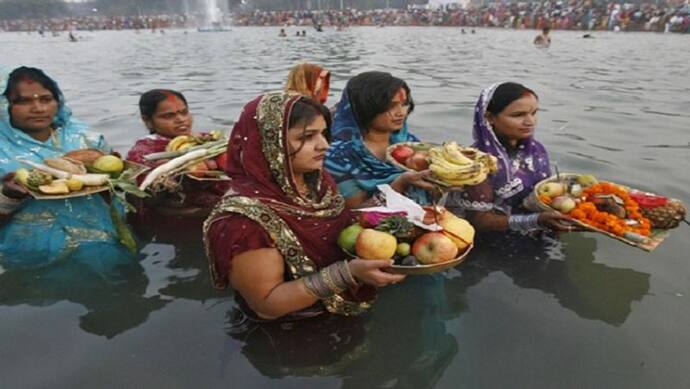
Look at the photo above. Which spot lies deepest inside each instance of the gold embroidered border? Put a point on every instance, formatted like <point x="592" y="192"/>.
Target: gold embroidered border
<point x="298" y="263"/>
<point x="270" y="120"/>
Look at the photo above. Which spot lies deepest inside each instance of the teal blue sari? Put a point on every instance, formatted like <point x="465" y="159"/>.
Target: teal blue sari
<point x="44" y="232"/>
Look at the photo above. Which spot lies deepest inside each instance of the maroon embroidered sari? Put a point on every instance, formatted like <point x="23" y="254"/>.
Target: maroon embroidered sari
<point x="304" y="229"/>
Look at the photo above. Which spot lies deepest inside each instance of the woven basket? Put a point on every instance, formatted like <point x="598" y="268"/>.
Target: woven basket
<point x="532" y="201"/>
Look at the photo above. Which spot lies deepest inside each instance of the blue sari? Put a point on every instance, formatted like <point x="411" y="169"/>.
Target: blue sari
<point x="353" y="166"/>
<point x="43" y="232"/>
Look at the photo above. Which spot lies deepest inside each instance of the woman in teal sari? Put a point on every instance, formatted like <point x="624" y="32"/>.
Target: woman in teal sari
<point x="36" y="124"/>
<point x="371" y="116"/>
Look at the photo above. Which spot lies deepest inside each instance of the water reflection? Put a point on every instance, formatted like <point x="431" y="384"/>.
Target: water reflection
<point x="564" y="268"/>
<point x="114" y="301"/>
<point x="406" y="348"/>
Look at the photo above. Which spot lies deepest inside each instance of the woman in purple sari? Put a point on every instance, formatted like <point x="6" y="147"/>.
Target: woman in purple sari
<point x="504" y="122"/>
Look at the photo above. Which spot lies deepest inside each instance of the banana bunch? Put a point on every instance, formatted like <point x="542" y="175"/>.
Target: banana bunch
<point x="183" y="142"/>
<point x="458" y="166"/>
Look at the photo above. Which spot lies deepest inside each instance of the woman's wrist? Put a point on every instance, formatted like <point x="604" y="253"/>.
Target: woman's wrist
<point x="524" y="222"/>
<point x="330" y="280"/>
<point x="400" y="184"/>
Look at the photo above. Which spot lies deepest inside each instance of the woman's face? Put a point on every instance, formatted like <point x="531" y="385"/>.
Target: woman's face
<point x="517" y="120"/>
<point x="310" y="145"/>
<point x="394" y="118"/>
<point x="33" y="107"/>
<point x="172" y="118"/>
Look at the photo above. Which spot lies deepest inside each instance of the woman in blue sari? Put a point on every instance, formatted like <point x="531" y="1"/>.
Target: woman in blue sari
<point x="36" y="124"/>
<point x="371" y="116"/>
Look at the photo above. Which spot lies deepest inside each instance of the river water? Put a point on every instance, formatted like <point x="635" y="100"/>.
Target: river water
<point x="580" y="311"/>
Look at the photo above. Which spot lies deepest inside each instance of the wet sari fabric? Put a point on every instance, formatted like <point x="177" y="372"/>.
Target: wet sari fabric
<point x="519" y="170"/>
<point x="353" y="166"/>
<point x="43" y="232"/>
<point x="263" y="197"/>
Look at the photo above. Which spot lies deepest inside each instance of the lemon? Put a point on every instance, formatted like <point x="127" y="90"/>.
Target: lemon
<point x="74" y="185"/>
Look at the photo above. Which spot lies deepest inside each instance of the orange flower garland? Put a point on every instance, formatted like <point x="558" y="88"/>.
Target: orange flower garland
<point x="588" y="213"/>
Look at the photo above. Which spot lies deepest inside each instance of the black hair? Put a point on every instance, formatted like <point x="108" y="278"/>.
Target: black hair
<point x="546" y="30"/>
<point x="148" y="102"/>
<point x="370" y="95"/>
<point x="303" y="112"/>
<point x="24" y="73"/>
<point x="505" y="94"/>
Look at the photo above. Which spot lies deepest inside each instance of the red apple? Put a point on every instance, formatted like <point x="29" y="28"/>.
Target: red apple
<point x="402" y="153"/>
<point x="211" y="164"/>
<point x="418" y="161"/>
<point x="222" y="160"/>
<point x="198" y="170"/>
<point x="434" y="247"/>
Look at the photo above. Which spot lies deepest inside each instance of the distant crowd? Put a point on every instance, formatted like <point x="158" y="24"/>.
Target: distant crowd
<point x="663" y="16"/>
<point x="573" y="15"/>
<point x="103" y="22"/>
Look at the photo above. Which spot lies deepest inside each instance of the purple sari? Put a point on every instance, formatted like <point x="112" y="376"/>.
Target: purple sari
<point x="519" y="170"/>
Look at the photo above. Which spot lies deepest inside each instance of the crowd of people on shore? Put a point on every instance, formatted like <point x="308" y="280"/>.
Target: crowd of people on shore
<point x="574" y="15"/>
<point x="667" y="16"/>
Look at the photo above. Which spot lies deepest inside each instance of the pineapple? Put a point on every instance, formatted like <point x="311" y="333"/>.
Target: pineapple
<point x="666" y="216"/>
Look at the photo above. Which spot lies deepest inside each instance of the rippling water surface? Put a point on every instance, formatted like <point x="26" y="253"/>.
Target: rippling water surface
<point x="583" y="311"/>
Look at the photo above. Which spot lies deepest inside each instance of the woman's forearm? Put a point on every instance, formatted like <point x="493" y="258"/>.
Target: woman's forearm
<point x="285" y="298"/>
<point x="488" y="221"/>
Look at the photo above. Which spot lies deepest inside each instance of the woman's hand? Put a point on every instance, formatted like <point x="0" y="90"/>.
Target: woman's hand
<point x="371" y="272"/>
<point x="12" y="188"/>
<point x="557" y="222"/>
<point x="414" y="178"/>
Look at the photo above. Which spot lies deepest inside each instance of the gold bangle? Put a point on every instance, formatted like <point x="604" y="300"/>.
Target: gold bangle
<point x="330" y="283"/>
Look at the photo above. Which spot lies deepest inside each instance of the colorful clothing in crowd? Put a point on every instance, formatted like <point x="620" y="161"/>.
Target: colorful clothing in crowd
<point x="263" y="208"/>
<point x="518" y="172"/>
<point x="43" y="232"/>
<point x="353" y="166"/>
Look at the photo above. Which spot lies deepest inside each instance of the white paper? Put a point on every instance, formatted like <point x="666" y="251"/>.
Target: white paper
<point x="395" y="202"/>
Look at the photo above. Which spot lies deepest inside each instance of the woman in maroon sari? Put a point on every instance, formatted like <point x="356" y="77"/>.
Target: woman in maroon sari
<point x="166" y="115"/>
<point x="273" y="235"/>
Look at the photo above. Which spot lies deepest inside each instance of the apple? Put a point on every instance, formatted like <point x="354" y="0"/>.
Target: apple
<point x="564" y="204"/>
<point x="434" y="247"/>
<point x="551" y="189"/>
<point x="402" y="153"/>
<point x="586" y="180"/>
<point x="403" y="249"/>
<point x="348" y="237"/>
<point x="198" y="170"/>
<point x="211" y="164"/>
<point x="372" y="244"/>
<point x="222" y="160"/>
<point x="418" y="161"/>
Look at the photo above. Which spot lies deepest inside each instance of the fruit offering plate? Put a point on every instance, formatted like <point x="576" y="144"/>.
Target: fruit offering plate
<point x="421" y="269"/>
<point x="452" y="166"/>
<point x="647" y="243"/>
<point x="137" y="170"/>
<point x="416" y="146"/>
